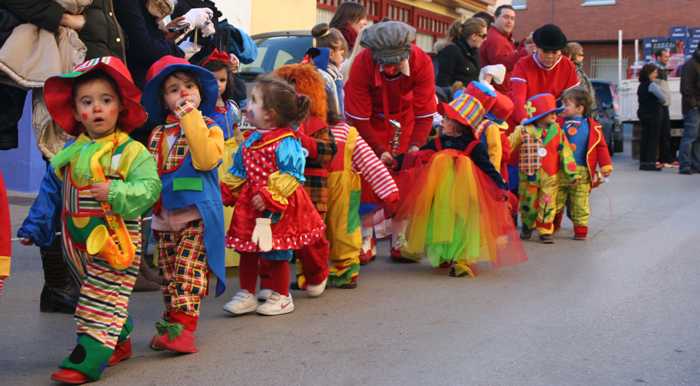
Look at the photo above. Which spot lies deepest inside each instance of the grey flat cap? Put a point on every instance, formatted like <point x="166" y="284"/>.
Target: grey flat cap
<point x="389" y="41"/>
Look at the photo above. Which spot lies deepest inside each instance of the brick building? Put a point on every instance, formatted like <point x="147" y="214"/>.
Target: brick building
<point x="595" y="24"/>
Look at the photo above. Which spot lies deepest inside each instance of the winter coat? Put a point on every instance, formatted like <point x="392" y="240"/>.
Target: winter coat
<point x="458" y="62"/>
<point x="500" y="49"/>
<point x="690" y="83"/>
<point x="586" y="83"/>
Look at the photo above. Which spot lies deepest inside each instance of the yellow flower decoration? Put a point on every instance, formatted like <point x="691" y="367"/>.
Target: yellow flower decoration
<point x="530" y="109"/>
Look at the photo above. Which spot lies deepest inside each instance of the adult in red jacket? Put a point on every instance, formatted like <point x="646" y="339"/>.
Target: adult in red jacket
<point x="391" y="79"/>
<point x="499" y="47"/>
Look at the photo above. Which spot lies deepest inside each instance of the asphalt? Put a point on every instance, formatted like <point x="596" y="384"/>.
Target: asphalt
<point x="622" y="308"/>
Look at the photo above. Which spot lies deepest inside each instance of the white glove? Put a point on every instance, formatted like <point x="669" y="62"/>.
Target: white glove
<point x="189" y="48"/>
<point x="197" y="17"/>
<point x="262" y="234"/>
<point x="208" y="29"/>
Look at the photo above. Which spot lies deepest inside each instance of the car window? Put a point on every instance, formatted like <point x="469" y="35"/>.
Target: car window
<point x="274" y="52"/>
<point x="602" y="89"/>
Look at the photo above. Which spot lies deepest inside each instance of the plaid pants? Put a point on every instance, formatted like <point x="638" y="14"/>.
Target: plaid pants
<point x="538" y="200"/>
<point x="183" y="267"/>
<point x="577" y="195"/>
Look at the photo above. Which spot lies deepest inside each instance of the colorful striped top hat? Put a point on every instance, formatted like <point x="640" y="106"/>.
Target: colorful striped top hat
<point x="483" y="93"/>
<point x="160" y="71"/>
<point x="539" y="106"/>
<point x="465" y="109"/>
<point x="58" y="93"/>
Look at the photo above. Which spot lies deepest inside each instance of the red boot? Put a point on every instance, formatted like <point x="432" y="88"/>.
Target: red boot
<point x="179" y="335"/>
<point x="557" y="221"/>
<point x="398" y="250"/>
<point x="70" y="376"/>
<point x="121" y="352"/>
<point x="580" y="232"/>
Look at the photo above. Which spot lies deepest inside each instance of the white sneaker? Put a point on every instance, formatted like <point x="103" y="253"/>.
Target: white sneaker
<point x="276" y="305"/>
<point x="264" y="294"/>
<point x="244" y="302"/>
<point x="315" y="291"/>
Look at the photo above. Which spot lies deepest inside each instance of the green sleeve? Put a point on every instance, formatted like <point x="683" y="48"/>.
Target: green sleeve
<point x="141" y="189"/>
<point x="566" y="157"/>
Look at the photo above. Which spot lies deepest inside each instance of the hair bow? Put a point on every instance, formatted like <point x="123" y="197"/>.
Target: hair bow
<point x="218" y="56"/>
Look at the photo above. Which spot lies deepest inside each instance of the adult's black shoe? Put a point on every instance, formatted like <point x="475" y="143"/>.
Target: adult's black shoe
<point x="686" y="171"/>
<point x="59" y="299"/>
<point x="649" y="167"/>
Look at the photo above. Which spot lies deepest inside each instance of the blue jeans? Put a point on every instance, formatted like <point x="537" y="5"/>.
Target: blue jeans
<point x="689" y="153"/>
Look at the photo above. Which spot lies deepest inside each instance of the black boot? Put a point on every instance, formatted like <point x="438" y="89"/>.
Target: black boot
<point x="59" y="299"/>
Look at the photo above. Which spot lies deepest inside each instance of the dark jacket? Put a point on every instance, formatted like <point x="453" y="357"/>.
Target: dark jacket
<point x="458" y="62"/>
<point x="146" y="43"/>
<point x="101" y="33"/>
<point x="690" y="83"/>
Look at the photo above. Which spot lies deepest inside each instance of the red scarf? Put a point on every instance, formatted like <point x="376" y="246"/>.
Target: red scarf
<point x="349" y="34"/>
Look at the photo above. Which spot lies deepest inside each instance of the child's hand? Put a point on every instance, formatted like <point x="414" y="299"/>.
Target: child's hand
<point x="192" y="98"/>
<point x="606" y="174"/>
<point x="27" y="241"/>
<point x="575" y="182"/>
<point x="258" y="203"/>
<point x="413" y="148"/>
<point x="387" y="159"/>
<point x="100" y="190"/>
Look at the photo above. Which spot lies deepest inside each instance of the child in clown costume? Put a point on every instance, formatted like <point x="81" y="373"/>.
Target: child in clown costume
<point x="188" y="219"/>
<point x="456" y="213"/>
<point x="274" y="215"/>
<point x="486" y="131"/>
<point x="543" y="150"/>
<point x="228" y="116"/>
<point x="590" y="150"/>
<point x="99" y="104"/>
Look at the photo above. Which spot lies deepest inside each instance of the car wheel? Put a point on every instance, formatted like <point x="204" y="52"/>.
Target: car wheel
<point x="611" y="146"/>
<point x="619" y="146"/>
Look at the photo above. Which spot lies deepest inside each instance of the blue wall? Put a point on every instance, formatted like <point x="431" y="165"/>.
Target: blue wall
<point x="23" y="168"/>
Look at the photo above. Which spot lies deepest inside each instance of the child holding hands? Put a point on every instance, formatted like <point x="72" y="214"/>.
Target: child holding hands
<point x="543" y="151"/>
<point x="99" y="104"/>
<point x="590" y="150"/>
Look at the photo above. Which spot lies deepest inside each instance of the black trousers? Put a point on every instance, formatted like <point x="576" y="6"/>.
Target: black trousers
<point x="665" y="155"/>
<point x="651" y="132"/>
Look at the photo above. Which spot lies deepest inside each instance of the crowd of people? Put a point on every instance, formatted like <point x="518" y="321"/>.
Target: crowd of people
<point x="340" y="149"/>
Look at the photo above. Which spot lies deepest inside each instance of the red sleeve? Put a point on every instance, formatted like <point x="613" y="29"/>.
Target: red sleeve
<point x="358" y="98"/>
<point x="571" y="79"/>
<point x="500" y="53"/>
<point x="602" y="149"/>
<point x="424" y="103"/>
<point x="519" y="91"/>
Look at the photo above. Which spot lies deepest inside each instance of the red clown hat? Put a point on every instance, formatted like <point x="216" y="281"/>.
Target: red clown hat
<point x="482" y="93"/>
<point x="58" y="92"/>
<point x="539" y="106"/>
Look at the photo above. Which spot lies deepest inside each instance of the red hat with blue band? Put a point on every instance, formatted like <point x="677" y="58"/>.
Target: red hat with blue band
<point x="58" y="93"/>
<point x="160" y="71"/>
<point x="539" y="106"/>
<point x="502" y="109"/>
<point x="481" y="92"/>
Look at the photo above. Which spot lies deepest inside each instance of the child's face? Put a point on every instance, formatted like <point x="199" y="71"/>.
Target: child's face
<point x="572" y="109"/>
<point x="257" y="115"/>
<point x="448" y="127"/>
<point x="222" y="79"/>
<point x="97" y="107"/>
<point x="337" y="57"/>
<point x="546" y="120"/>
<point x="177" y="91"/>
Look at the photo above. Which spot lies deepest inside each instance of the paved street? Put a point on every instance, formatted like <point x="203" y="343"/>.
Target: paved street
<point x="622" y="308"/>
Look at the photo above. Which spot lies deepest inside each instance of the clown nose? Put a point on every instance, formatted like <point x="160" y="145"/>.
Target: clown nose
<point x="389" y="69"/>
<point x="184" y="93"/>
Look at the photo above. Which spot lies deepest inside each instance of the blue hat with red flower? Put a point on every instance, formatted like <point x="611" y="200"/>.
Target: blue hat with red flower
<point x="539" y="106"/>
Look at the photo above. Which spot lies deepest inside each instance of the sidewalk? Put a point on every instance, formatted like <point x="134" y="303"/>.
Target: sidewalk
<point x="19" y="208"/>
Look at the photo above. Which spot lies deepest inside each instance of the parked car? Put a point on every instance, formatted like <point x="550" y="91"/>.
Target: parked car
<point x="609" y="108"/>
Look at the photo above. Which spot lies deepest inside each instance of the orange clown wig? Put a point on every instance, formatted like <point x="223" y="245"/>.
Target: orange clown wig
<point x="306" y="81"/>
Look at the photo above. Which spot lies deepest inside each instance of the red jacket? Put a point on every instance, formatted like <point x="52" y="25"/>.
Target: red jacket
<point x="598" y="153"/>
<point x="410" y="99"/>
<point x="500" y="49"/>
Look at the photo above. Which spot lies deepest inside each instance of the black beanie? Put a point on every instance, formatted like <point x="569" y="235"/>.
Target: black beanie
<point x="549" y="37"/>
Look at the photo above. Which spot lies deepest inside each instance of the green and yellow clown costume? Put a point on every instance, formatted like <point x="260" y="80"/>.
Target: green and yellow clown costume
<point x="543" y="152"/>
<point x="101" y="315"/>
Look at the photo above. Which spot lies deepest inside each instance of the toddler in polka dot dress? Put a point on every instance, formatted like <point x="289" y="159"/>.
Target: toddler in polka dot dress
<point x="274" y="215"/>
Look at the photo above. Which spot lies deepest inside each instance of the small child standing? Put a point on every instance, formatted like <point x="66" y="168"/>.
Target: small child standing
<point x="274" y="215"/>
<point x="543" y="150"/>
<point x="332" y="39"/>
<point x="456" y="211"/>
<point x="99" y="104"/>
<point x="590" y="151"/>
<point x="228" y="116"/>
<point x="188" y="220"/>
